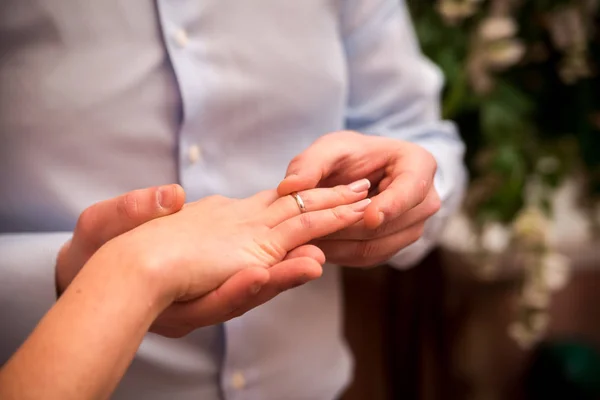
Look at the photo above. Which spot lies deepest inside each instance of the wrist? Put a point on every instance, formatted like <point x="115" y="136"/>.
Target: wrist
<point x="138" y="270"/>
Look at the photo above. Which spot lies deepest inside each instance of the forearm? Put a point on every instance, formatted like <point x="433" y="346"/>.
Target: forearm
<point x="84" y="344"/>
<point x="27" y="285"/>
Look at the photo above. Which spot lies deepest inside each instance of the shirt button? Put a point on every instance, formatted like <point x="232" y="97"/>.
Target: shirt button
<point x="238" y="381"/>
<point x="181" y="38"/>
<point x="194" y="154"/>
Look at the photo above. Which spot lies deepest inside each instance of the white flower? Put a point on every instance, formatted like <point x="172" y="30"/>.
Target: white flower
<point x="495" y="238"/>
<point x="531" y="225"/>
<point x="496" y="28"/>
<point x="556" y="270"/>
<point x="504" y="54"/>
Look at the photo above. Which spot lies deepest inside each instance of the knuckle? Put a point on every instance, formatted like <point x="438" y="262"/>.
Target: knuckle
<point x="339" y="214"/>
<point x="373" y="233"/>
<point x="434" y="205"/>
<point x="294" y="164"/>
<point x="434" y="163"/>
<point x="86" y="224"/>
<point x="427" y="157"/>
<point x="421" y="188"/>
<point x="342" y="194"/>
<point x="380" y="231"/>
<point x="306" y="221"/>
<point x="367" y="250"/>
<point x="400" y="203"/>
<point x="128" y="206"/>
<point x="297" y="159"/>
<point x="217" y="199"/>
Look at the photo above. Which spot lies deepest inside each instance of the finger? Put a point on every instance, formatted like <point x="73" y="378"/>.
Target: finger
<point x="236" y="296"/>
<point x="420" y="213"/>
<point x="307" y="250"/>
<point x="285" y="275"/>
<point x="338" y="151"/>
<point x="367" y="253"/>
<point x="110" y="218"/>
<point x="264" y="198"/>
<point x="304" y="172"/>
<point x="315" y="199"/>
<point x="407" y="189"/>
<point x="240" y="289"/>
<point x="305" y="227"/>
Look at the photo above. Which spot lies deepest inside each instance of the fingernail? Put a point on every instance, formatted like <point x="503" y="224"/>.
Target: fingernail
<point x="380" y="217"/>
<point x="361" y="205"/>
<point x="254" y="289"/>
<point x="166" y="196"/>
<point x="360" y="186"/>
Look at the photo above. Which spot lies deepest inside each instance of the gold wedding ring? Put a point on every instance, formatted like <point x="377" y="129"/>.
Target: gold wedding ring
<point x="299" y="201"/>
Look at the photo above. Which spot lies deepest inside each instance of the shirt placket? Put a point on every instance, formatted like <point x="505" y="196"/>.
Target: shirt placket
<point x="177" y="20"/>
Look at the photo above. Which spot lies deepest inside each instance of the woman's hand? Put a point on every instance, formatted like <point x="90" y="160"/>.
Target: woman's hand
<point x="206" y="249"/>
<point x="194" y="251"/>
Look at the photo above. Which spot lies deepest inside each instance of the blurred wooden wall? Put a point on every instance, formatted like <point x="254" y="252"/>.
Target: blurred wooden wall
<point x="435" y="332"/>
<point x="394" y="327"/>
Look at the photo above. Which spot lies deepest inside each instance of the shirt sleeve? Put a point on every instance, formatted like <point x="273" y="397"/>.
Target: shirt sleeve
<point x="27" y="284"/>
<point x="395" y="91"/>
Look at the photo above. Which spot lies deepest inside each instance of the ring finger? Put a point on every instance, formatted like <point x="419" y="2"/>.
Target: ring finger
<point x="289" y="206"/>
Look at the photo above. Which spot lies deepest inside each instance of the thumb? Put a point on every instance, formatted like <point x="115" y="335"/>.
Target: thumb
<point x="107" y="219"/>
<point x="313" y="165"/>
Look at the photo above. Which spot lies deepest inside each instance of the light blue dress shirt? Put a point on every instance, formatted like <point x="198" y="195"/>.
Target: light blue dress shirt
<point x="101" y="97"/>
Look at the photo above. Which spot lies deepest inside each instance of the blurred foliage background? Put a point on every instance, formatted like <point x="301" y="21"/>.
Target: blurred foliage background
<point x="522" y="84"/>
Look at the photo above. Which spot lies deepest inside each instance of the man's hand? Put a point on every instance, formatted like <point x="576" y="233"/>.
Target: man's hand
<point x="403" y="193"/>
<point x="243" y="291"/>
<point x="108" y="219"/>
